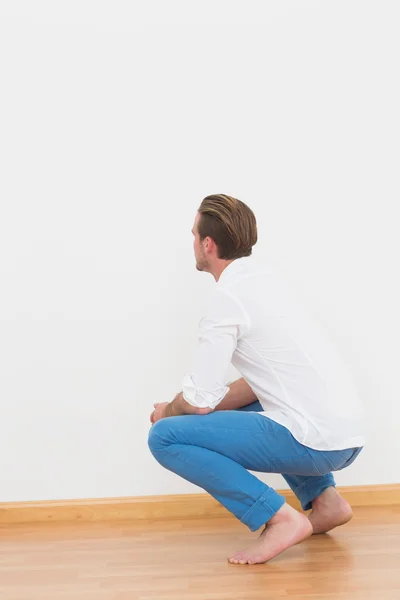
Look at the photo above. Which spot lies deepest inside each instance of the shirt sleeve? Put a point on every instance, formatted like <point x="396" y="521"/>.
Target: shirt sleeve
<point x="225" y="322"/>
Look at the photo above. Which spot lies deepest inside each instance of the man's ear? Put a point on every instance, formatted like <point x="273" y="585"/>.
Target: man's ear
<point x="209" y="245"/>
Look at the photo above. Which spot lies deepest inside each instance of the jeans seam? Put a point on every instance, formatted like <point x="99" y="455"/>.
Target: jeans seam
<point x="330" y="463"/>
<point x="291" y="457"/>
<point x="315" y="464"/>
<point x="209" y="472"/>
<point x="341" y="455"/>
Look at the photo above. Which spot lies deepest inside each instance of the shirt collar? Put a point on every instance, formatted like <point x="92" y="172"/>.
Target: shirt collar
<point x="235" y="267"/>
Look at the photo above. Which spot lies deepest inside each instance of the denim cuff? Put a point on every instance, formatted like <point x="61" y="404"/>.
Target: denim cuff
<point x="263" y="509"/>
<point x="312" y="487"/>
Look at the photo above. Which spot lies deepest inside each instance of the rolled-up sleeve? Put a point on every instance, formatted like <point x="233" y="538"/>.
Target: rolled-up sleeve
<point x="225" y="322"/>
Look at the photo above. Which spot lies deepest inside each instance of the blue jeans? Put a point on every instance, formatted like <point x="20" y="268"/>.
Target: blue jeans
<point x="216" y="452"/>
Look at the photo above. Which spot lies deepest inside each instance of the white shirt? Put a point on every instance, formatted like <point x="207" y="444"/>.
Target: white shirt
<point x="253" y="321"/>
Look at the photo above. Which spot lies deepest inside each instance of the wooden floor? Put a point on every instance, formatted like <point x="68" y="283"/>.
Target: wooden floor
<point x="187" y="560"/>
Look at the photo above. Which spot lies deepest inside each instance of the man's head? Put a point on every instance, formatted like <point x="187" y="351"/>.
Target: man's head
<point x="224" y="229"/>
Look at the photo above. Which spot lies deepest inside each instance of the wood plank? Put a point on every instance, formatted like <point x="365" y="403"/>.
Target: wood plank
<point x="179" y="506"/>
<point x="187" y="560"/>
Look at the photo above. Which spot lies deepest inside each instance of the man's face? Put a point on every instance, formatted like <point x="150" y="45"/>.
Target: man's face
<point x="199" y="252"/>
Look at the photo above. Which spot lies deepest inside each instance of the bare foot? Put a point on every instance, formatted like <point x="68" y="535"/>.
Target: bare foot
<point x="286" y="528"/>
<point x="329" y="510"/>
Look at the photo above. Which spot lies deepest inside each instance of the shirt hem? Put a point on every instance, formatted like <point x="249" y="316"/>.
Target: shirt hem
<point x="353" y="442"/>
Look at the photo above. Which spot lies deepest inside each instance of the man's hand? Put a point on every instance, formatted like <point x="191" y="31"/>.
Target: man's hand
<point x="158" y="412"/>
<point x="177" y="407"/>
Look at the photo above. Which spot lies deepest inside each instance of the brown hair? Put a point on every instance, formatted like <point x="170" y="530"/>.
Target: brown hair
<point x="230" y="223"/>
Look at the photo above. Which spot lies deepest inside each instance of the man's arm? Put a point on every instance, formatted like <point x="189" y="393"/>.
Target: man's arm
<point x="240" y="394"/>
<point x="205" y="387"/>
<point x="224" y="323"/>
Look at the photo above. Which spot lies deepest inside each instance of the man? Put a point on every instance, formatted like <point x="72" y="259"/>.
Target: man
<point x="295" y="411"/>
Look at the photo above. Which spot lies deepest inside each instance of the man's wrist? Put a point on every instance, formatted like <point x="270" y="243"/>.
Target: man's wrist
<point x="174" y="408"/>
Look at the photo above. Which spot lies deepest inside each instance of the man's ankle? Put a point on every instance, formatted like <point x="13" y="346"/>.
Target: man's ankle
<point x="328" y="492"/>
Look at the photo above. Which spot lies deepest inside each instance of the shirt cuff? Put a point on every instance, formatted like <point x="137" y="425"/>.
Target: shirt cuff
<point x="201" y="398"/>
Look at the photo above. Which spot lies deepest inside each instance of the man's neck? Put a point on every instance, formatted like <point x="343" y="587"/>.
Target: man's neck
<point x="218" y="268"/>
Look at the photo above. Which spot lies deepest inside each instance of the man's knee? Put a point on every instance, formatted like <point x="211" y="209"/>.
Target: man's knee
<point x="159" y="435"/>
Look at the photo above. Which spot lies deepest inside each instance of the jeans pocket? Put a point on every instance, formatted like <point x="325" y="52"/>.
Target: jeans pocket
<point x="348" y="460"/>
<point x="319" y="462"/>
<point x="333" y="460"/>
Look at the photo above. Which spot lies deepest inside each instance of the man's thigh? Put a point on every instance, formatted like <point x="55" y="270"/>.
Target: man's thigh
<point x="253" y="407"/>
<point x="254" y="441"/>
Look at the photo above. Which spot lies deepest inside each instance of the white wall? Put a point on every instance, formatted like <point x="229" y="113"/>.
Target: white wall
<point x="117" y="119"/>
